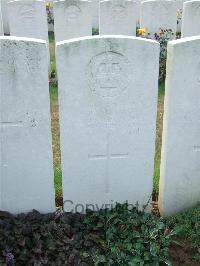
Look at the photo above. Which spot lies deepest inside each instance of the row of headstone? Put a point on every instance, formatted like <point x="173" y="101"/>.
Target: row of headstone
<point x="74" y="18"/>
<point x="106" y="110"/>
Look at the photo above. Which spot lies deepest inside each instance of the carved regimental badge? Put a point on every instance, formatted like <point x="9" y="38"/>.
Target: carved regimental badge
<point x="108" y="74"/>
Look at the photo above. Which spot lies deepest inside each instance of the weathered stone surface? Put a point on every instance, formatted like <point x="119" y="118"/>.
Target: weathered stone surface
<point x="28" y="18"/>
<point x="191" y="19"/>
<point x="26" y="166"/>
<point x="72" y="18"/>
<point x="118" y="17"/>
<point x="5" y="16"/>
<point x="180" y="168"/>
<point x="157" y="15"/>
<point x="108" y="119"/>
<point x="95" y="11"/>
<point x="1" y="22"/>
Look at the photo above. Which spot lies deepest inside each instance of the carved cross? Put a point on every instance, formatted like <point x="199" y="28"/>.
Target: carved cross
<point x="108" y="156"/>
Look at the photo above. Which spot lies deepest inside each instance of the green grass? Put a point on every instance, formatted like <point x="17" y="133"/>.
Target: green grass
<point x="52" y="52"/>
<point x="58" y="181"/>
<point x="161" y="93"/>
<point x="54" y="93"/>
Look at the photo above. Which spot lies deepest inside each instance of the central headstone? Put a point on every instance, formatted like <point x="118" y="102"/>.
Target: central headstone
<point x="108" y="119"/>
<point x="72" y="18"/>
<point x="118" y="17"/>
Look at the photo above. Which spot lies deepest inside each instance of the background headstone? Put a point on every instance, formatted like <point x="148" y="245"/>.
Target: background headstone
<point x="180" y="168"/>
<point x="179" y="7"/>
<point x="118" y="17"/>
<point x="158" y="14"/>
<point x="191" y="19"/>
<point x="108" y="119"/>
<point x="28" y="18"/>
<point x="27" y="166"/>
<point x="1" y="22"/>
<point x="72" y="19"/>
<point x="5" y="16"/>
<point x="95" y="11"/>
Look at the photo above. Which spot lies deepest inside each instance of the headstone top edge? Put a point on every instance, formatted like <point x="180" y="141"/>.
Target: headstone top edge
<point x="107" y="37"/>
<point x="25" y="1"/>
<point x="75" y="1"/>
<point x="183" y="41"/>
<point x="22" y="39"/>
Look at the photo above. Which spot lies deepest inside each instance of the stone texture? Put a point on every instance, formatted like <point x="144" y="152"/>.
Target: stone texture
<point x="5" y="16"/>
<point x="72" y="18"/>
<point x="95" y="10"/>
<point x="191" y="19"/>
<point x="28" y="18"/>
<point x="158" y="14"/>
<point x="180" y="168"/>
<point x="107" y="118"/>
<point x="1" y="22"/>
<point x="26" y="167"/>
<point x="118" y="17"/>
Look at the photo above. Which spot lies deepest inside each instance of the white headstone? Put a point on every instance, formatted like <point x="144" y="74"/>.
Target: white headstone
<point x="157" y="15"/>
<point x="180" y="168"/>
<point x="191" y="19"/>
<point x="118" y="17"/>
<point x="72" y="18"/>
<point x="108" y="119"/>
<point x="1" y="22"/>
<point x="27" y="166"/>
<point x="5" y="16"/>
<point x="95" y="10"/>
<point x="28" y="18"/>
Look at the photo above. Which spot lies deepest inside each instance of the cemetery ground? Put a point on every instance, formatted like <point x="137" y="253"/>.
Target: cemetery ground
<point x="116" y="237"/>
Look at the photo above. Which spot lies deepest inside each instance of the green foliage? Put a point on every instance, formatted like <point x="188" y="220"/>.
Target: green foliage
<point x="116" y="237"/>
<point x="95" y="31"/>
<point x="163" y="37"/>
<point x="50" y="18"/>
<point x="132" y="238"/>
<point x="51" y="37"/>
<point x="53" y="88"/>
<point x="58" y="181"/>
<point x="188" y="225"/>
